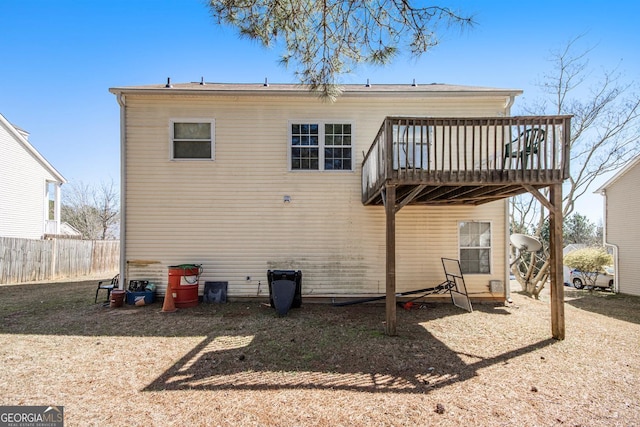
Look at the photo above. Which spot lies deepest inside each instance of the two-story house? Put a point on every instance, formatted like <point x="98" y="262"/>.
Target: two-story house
<point x="364" y="195"/>
<point x="29" y="187"/>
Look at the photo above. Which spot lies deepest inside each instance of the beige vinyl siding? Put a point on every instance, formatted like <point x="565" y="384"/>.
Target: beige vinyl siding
<point x="230" y="215"/>
<point x="623" y="204"/>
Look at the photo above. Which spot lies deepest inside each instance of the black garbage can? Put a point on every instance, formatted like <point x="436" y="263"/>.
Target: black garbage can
<point x="292" y="275"/>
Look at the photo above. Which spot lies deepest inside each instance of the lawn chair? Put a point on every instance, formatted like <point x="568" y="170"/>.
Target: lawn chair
<point x="109" y="285"/>
<point x="523" y="146"/>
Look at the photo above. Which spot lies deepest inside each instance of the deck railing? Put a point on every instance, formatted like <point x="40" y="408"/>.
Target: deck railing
<point x="434" y="150"/>
<point x="50" y="227"/>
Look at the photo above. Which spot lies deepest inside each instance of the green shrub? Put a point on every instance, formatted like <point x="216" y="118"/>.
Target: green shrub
<point x="588" y="259"/>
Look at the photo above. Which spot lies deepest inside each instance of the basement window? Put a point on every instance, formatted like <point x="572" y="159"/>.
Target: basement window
<point x="475" y="247"/>
<point x="321" y="146"/>
<point x="192" y="140"/>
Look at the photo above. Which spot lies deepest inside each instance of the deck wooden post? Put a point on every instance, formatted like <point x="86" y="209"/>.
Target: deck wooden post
<point x="556" y="279"/>
<point x="390" y="210"/>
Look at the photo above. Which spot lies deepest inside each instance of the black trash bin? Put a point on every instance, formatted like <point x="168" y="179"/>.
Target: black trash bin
<point x="292" y="275"/>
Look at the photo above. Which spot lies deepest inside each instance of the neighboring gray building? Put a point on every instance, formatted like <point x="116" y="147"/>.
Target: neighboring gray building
<point x="621" y="225"/>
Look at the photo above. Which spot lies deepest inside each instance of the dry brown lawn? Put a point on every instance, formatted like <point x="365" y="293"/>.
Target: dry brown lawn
<point x="241" y="364"/>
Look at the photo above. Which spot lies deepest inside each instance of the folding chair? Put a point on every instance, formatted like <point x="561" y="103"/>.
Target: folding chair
<point x="523" y="146"/>
<point x="109" y="285"/>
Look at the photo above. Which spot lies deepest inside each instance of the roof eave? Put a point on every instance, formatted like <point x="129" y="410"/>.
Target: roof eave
<point x="618" y="175"/>
<point x="273" y="90"/>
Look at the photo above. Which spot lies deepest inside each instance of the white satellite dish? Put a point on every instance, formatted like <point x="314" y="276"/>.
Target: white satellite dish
<point x="525" y="243"/>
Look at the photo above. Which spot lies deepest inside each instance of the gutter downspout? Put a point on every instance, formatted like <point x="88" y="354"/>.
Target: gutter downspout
<point x="123" y="179"/>
<point x="508" y="104"/>
<point x="616" y="288"/>
<point x="507" y="253"/>
<point x="507" y="243"/>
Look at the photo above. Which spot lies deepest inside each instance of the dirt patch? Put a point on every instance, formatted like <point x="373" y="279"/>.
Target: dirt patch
<point x="241" y="364"/>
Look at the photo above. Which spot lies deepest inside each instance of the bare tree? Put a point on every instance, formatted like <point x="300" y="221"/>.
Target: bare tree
<point x="328" y="38"/>
<point x="106" y="202"/>
<point x="604" y="136"/>
<point x="92" y="210"/>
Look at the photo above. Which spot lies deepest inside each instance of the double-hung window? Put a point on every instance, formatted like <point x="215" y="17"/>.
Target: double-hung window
<point x="192" y="139"/>
<point x="321" y="146"/>
<point x="475" y="247"/>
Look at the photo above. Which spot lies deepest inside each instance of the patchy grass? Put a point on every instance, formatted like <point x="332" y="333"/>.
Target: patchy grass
<point x="622" y="307"/>
<point x="241" y="364"/>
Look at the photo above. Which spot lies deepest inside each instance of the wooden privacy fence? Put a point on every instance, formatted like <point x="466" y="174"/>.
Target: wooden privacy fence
<point x="27" y="260"/>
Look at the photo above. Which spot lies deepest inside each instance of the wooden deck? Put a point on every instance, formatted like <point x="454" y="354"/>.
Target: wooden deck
<point x="465" y="160"/>
<point x="469" y="161"/>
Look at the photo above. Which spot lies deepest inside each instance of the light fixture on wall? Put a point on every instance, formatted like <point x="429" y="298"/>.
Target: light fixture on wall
<point x="286" y="199"/>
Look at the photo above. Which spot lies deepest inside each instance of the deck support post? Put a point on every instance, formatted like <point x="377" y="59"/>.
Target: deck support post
<point x="390" y="211"/>
<point x="556" y="276"/>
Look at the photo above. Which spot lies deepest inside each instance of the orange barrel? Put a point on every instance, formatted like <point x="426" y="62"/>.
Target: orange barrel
<point x="117" y="298"/>
<point x="175" y="275"/>
<point x="183" y="282"/>
<point x="186" y="274"/>
<point x="186" y="296"/>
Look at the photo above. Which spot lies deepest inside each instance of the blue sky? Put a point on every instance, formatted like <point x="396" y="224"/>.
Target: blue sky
<point x="60" y="57"/>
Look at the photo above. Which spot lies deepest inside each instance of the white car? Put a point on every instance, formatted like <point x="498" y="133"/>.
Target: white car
<point x="604" y="280"/>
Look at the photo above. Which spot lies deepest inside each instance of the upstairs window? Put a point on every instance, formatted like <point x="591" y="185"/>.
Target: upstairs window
<point x="321" y="146"/>
<point x="192" y="140"/>
<point x="305" y="147"/>
<point x="475" y="247"/>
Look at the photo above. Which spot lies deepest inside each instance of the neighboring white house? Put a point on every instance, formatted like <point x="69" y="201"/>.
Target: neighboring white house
<point x="29" y="187"/>
<point x="622" y="225"/>
<point x="245" y="178"/>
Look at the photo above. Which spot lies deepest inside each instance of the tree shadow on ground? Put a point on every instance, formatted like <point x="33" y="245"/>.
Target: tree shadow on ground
<point x="248" y="346"/>
<point x="350" y="355"/>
